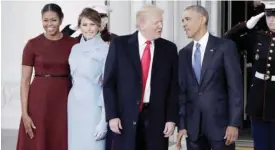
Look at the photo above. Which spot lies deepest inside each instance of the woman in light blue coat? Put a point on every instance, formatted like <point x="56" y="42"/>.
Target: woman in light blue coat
<point x="87" y="126"/>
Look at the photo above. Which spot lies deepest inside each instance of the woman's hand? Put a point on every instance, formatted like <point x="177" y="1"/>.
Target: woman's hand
<point x="29" y="125"/>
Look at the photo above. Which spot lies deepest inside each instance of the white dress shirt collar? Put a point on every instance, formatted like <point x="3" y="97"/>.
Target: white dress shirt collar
<point x="203" y="43"/>
<point x="142" y="39"/>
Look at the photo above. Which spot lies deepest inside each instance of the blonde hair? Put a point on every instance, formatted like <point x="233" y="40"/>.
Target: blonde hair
<point x="147" y="11"/>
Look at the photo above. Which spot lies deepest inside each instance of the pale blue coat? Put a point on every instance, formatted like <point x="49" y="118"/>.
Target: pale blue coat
<point x="85" y="99"/>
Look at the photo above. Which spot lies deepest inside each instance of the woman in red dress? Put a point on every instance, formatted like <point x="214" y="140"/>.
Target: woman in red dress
<point x="44" y="101"/>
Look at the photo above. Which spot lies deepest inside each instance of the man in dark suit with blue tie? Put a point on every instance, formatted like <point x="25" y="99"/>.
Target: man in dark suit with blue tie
<point x="141" y="85"/>
<point x="210" y="79"/>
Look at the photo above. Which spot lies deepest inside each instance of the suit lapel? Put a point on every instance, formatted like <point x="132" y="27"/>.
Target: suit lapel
<point x="133" y="51"/>
<point x="209" y="51"/>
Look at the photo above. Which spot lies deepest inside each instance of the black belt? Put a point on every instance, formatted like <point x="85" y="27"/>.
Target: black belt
<point x="52" y="76"/>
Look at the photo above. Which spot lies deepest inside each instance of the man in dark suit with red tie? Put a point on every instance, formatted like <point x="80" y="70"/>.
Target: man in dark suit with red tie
<point x="210" y="79"/>
<point x="141" y="85"/>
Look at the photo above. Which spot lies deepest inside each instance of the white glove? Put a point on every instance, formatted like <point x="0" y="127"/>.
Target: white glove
<point x="257" y="3"/>
<point x="73" y="27"/>
<point x="104" y="22"/>
<point x="101" y="128"/>
<point x="253" y="20"/>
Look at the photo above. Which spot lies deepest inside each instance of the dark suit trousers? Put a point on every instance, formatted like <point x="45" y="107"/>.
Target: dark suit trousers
<point x="109" y="140"/>
<point x="263" y="133"/>
<point x="203" y="143"/>
<point x="142" y="129"/>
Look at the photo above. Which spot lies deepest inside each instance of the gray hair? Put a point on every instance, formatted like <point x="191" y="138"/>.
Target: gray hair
<point x="146" y="11"/>
<point x="199" y="9"/>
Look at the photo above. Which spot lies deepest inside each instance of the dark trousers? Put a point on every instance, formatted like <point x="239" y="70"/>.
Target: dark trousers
<point x="263" y="133"/>
<point x="142" y="129"/>
<point x="109" y="140"/>
<point x="204" y="143"/>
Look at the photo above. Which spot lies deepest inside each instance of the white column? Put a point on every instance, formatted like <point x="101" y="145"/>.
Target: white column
<point x="180" y="38"/>
<point x="120" y="18"/>
<point x="168" y="19"/>
<point x="135" y="6"/>
<point x="214" y="11"/>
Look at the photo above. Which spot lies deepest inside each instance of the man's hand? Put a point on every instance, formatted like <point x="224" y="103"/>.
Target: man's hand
<point x="231" y="135"/>
<point x="181" y="133"/>
<point x="253" y="20"/>
<point x="169" y="129"/>
<point x="115" y="125"/>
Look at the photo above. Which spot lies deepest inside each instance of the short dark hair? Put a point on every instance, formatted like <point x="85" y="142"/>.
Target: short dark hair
<point x="91" y="14"/>
<point x="54" y="8"/>
<point x="200" y="9"/>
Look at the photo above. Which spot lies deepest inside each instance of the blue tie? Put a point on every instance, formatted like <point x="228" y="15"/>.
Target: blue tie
<point x="197" y="62"/>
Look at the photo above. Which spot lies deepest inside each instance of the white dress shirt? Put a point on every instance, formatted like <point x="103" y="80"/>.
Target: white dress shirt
<point x="142" y="45"/>
<point x="203" y="42"/>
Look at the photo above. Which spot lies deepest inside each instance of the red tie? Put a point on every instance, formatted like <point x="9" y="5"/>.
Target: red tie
<point x="145" y="65"/>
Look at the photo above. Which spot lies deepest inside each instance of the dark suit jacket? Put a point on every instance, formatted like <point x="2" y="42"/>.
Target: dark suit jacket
<point x="217" y="102"/>
<point x="123" y="89"/>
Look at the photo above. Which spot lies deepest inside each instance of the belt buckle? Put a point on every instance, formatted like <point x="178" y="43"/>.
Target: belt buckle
<point x="145" y="105"/>
<point x="47" y="75"/>
<point x="266" y="77"/>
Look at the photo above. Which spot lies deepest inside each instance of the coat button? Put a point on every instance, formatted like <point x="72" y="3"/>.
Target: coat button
<point x="200" y="93"/>
<point x="267" y="77"/>
<point x="137" y="102"/>
<point x="134" y="123"/>
<point x="268" y="65"/>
